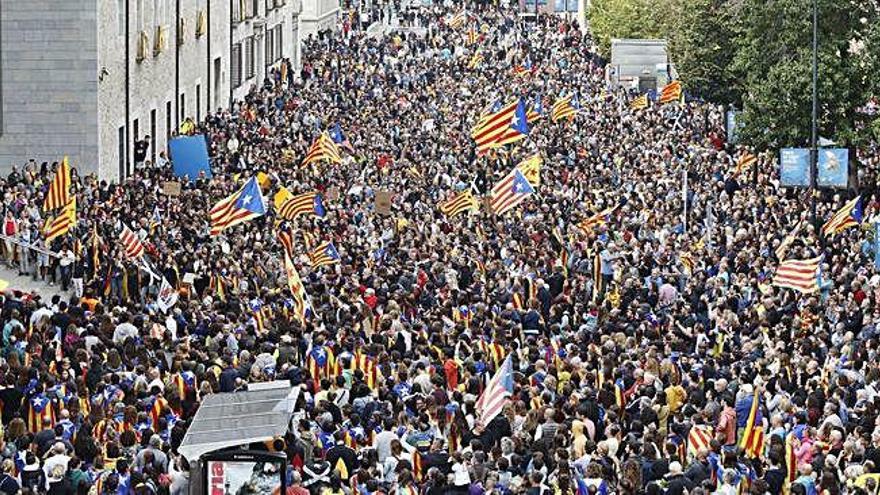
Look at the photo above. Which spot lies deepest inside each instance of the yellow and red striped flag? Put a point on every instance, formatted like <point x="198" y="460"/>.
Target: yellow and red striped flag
<point x="563" y="109"/>
<point x="671" y="92"/>
<point x="687" y="262"/>
<point x="507" y="125"/>
<point x="599" y="218"/>
<point x="324" y="254"/>
<point x="460" y="203"/>
<point x="753" y="435"/>
<point x="59" y="189"/>
<point x="472" y="37"/>
<point x="786" y="242"/>
<point x="322" y="149"/>
<point x="475" y="60"/>
<point x="699" y="438"/>
<point x="745" y="162"/>
<point x="458" y="20"/>
<point x="285" y="237"/>
<point x="847" y="216"/>
<point x="639" y="103"/>
<point x="301" y="204"/>
<point x="131" y="244"/>
<point x="799" y="275"/>
<point x="245" y="204"/>
<point x="61" y="224"/>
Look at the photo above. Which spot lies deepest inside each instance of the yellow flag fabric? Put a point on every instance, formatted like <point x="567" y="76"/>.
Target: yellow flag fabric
<point x="281" y="196"/>
<point x="263" y="180"/>
<point x="343" y="471"/>
<point x="531" y="169"/>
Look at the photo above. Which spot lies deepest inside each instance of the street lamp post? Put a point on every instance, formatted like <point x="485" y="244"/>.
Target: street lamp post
<point x="814" y="150"/>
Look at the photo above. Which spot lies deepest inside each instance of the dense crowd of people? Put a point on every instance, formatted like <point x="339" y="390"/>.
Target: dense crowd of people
<point x="645" y="347"/>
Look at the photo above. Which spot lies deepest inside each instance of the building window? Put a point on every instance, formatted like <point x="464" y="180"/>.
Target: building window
<point x="168" y="128"/>
<point x="279" y="46"/>
<point x="140" y="15"/>
<point x="157" y="19"/>
<point x="120" y="139"/>
<point x="168" y="11"/>
<point x="236" y="66"/>
<point x="255" y="7"/>
<point x="270" y="45"/>
<point x="236" y="11"/>
<point x="250" y="56"/>
<point x="182" y="107"/>
<point x="153" y="136"/>
<point x="216" y="72"/>
<point x="198" y="102"/>
<point x="120" y="17"/>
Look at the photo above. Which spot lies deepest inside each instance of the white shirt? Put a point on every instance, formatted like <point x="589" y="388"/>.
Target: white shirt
<point x="40" y="314"/>
<point x="382" y="444"/>
<point x="55" y="460"/>
<point x="460" y="474"/>
<point x="123" y="331"/>
<point x="67" y="258"/>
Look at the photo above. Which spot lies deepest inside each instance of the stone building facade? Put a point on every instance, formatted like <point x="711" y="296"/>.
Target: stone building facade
<point x="87" y="79"/>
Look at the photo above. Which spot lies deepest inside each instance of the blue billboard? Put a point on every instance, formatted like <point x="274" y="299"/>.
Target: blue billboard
<point x="565" y="6"/>
<point x="794" y="167"/>
<point x="189" y="156"/>
<point x="833" y="167"/>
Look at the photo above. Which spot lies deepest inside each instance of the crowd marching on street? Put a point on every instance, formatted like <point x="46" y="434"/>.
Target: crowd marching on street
<point x="488" y="270"/>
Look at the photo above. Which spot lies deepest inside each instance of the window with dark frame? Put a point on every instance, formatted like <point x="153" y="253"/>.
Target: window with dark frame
<point x="279" y="46"/>
<point x="168" y="128"/>
<point x="270" y="46"/>
<point x="236" y="12"/>
<point x="121" y="139"/>
<point x="251" y="59"/>
<point x="236" y="65"/>
<point x="153" y="136"/>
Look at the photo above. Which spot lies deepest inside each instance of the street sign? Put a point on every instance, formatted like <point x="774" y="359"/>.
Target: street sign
<point x="794" y="164"/>
<point x="833" y="167"/>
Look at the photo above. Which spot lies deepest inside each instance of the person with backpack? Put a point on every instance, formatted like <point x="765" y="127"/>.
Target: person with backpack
<point x="32" y="475"/>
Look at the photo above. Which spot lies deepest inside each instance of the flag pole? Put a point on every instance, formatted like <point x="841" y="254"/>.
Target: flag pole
<point x="684" y="198"/>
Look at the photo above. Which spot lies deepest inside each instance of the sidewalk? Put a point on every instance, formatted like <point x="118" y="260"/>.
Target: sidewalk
<point x="27" y="284"/>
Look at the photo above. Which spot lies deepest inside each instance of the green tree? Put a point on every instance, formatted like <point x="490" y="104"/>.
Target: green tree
<point x="773" y="60"/>
<point x="756" y="55"/>
<point x="703" y="49"/>
<point x="699" y="34"/>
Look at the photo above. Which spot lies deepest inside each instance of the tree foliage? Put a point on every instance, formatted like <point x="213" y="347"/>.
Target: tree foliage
<point x="756" y="55"/>
<point x="774" y="58"/>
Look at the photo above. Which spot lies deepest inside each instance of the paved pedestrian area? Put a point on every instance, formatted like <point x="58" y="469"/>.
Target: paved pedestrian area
<point x="27" y="284"/>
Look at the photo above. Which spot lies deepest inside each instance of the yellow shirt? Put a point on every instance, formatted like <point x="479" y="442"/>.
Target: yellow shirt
<point x="675" y="397"/>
